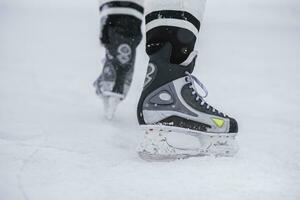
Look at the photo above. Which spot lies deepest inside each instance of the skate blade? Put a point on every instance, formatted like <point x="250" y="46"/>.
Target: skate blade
<point x="158" y="144"/>
<point x="111" y="102"/>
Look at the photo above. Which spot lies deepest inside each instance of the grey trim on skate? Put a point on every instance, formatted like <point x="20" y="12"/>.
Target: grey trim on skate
<point x="190" y="132"/>
<point x="154" y="102"/>
<point x="154" y="113"/>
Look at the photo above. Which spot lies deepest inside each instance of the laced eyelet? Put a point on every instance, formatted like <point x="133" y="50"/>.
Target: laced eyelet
<point x="192" y="80"/>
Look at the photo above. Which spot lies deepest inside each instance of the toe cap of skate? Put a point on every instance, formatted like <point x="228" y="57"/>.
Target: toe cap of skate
<point x="233" y="126"/>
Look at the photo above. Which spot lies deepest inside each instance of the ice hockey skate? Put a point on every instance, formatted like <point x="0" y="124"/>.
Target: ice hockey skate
<point x="177" y="121"/>
<point x="120" y="36"/>
<point x="113" y="84"/>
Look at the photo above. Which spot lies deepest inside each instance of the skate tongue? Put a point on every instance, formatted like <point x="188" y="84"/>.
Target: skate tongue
<point x="190" y="59"/>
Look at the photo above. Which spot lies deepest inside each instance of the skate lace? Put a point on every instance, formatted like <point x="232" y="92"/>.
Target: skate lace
<point x="193" y="81"/>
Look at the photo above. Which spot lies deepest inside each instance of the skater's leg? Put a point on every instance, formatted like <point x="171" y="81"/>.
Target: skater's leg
<point x="120" y="34"/>
<point x="170" y="104"/>
<point x="194" y="7"/>
<point x="118" y="7"/>
<point x="174" y="21"/>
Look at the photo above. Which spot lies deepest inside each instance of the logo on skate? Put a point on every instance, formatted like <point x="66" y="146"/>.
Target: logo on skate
<point x="150" y="73"/>
<point x="124" y="53"/>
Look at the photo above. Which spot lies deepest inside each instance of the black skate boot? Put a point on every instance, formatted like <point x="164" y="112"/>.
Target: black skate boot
<point x="120" y="36"/>
<point x="178" y="122"/>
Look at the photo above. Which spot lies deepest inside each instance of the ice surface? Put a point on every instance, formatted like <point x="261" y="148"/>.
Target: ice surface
<point x="55" y="144"/>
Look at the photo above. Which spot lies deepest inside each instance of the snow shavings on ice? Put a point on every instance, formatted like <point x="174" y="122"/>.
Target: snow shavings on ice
<point x="55" y="143"/>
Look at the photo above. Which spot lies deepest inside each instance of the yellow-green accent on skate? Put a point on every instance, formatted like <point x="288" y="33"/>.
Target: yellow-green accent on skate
<point x="219" y="122"/>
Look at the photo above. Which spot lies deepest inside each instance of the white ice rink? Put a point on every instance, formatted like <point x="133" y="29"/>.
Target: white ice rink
<point x="55" y="144"/>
